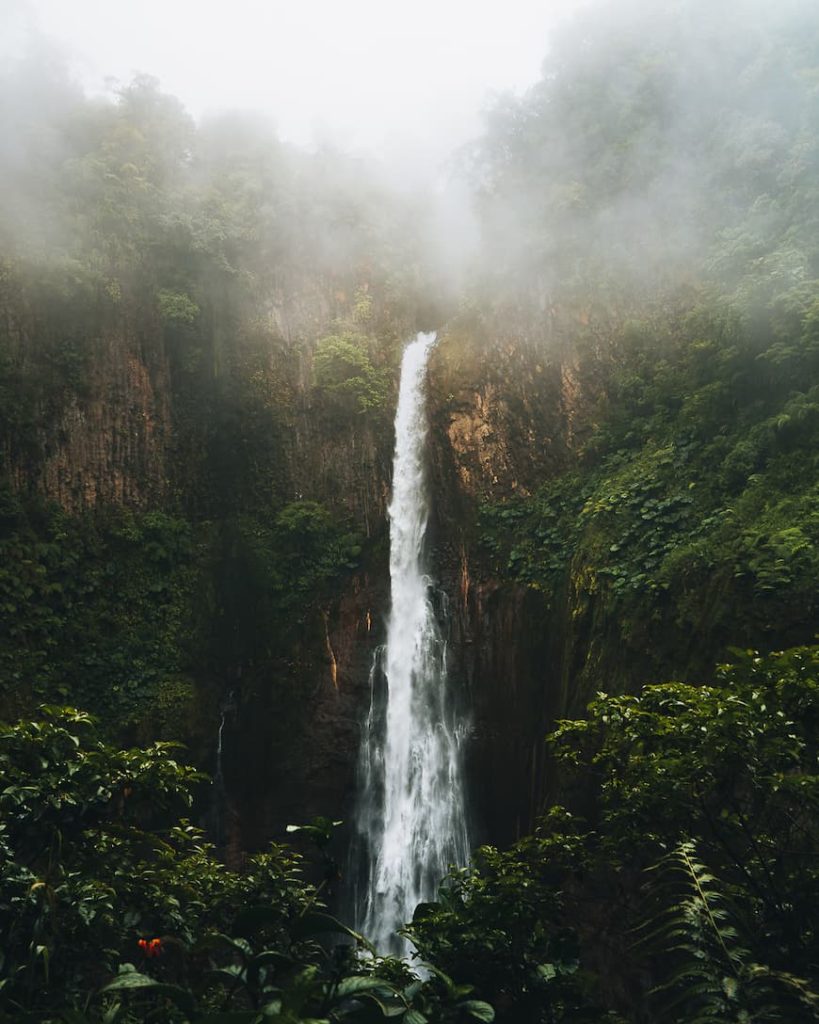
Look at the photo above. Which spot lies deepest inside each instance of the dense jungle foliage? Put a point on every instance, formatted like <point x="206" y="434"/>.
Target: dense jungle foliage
<point x="650" y="217"/>
<point x="677" y="883"/>
<point x="115" y="909"/>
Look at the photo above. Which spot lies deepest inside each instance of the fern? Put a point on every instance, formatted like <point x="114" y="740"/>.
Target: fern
<point x="707" y="974"/>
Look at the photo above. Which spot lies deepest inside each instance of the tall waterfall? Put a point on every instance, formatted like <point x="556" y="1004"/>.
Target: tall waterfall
<point x="411" y="819"/>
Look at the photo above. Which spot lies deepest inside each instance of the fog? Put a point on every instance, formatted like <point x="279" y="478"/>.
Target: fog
<point x="665" y="144"/>
<point x="395" y="80"/>
<point x="603" y="146"/>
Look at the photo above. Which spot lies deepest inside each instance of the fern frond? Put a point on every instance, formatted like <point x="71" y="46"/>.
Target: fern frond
<point x="706" y="973"/>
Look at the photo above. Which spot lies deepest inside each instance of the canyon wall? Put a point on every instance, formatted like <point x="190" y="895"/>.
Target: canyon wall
<point x="225" y="426"/>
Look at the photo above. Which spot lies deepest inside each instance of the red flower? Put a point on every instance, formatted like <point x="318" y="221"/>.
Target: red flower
<point x="150" y="947"/>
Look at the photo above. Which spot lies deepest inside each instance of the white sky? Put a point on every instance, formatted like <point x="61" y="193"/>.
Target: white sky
<point x="372" y="75"/>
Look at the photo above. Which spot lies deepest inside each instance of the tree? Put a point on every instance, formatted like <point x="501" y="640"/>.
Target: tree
<point x="343" y="369"/>
<point x="682" y="882"/>
<point x="94" y="857"/>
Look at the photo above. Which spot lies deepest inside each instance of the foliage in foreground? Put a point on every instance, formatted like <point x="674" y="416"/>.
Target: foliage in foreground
<point x="112" y="909"/>
<point x="680" y="883"/>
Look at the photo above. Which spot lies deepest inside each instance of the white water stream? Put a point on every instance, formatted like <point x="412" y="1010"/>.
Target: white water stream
<point x="411" y="818"/>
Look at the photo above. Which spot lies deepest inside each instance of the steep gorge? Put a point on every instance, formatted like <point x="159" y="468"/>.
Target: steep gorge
<point x="200" y="332"/>
<point x="138" y="434"/>
<point x="288" y="655"/>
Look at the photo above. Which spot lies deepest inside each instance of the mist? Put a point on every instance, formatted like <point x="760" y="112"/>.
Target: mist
<point x="403" y="85"/>
<point x="660" y="147"/>
<point x="552" y="147"/>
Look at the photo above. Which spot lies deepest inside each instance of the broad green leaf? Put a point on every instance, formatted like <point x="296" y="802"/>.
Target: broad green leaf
<point x="478" y="1010"/>
<point x="135" y="982"/>
<point x="353" y="986"/>
<point x="546" y="972"/>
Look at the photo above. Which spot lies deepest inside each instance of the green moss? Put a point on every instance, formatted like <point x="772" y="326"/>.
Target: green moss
<point x="130" y="613"/>
<point x="691" y="517"/>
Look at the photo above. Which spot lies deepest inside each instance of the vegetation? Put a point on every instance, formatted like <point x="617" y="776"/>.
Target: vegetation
<point x="198" y="340"/>
<point x="691" y="510"/>
<point x="159" y="342"/>
<point x="662" y="144"/>
<point x="115" y="610"/>
<point x="114" y="909"/>
<point x="685" y="852"/>
<point x="343" y="368"/>
<point x="678" y="881"/>
<point x="652" y="221"/>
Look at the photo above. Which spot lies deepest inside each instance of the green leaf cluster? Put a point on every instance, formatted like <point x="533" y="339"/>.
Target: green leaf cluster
<point x="679" y="881"/>
<point x="94" y="861"/>
<point x="343" y="369"/>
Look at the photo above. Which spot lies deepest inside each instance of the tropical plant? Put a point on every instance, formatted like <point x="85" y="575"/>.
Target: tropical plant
<point x="114" y="910"/>
<point x="94" y="859"/>
<point x="681" y="882"/>
<point x="708" y="977"/>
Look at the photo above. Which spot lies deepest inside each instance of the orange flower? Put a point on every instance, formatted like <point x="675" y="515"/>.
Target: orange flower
<point x="150" y="947"/>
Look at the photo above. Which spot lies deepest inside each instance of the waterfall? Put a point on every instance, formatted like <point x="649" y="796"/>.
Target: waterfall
<point x="220" y="796"/>
<point x="411" y="822"/>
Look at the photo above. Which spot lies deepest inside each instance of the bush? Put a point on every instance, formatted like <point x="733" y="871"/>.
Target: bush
<point x="680" y="884"/>
<point x="343" y="371"/>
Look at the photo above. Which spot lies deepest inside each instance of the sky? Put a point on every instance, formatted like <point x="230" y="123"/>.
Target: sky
<point x="375" y="76"/>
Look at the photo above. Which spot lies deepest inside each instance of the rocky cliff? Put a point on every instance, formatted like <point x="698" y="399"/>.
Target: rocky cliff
<point x="219" y="546"/>
<point x="223" y="427"/>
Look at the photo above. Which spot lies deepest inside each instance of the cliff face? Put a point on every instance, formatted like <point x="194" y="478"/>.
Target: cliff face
<point x="504" y="417"/>
<point x="220" y="566"/>
<point x="223" y="545"/>
<point x="499" y="424"/>
<point x="88" y="409"/>
<point x="292" y="743"/>
<point x="216" y="428"/>
<point x="499" y="414"/>
<point x="224" y="433"/>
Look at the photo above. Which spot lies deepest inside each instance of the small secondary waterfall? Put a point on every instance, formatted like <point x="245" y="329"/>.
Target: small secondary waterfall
<point x="218" y="824"/>
<point x="411" y="820"/>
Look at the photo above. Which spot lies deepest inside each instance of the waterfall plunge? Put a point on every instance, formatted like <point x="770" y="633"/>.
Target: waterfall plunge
<point x="411" y="819"/>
